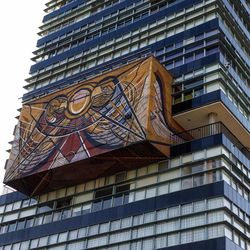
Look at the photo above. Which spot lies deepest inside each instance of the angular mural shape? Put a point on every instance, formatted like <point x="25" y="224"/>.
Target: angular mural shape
<point x="113" y="122"/>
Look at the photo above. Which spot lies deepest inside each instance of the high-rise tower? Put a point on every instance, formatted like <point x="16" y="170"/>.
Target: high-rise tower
<point x="134" y="131"/>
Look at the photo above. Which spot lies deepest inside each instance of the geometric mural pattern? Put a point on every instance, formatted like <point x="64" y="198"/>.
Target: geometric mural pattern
<point x="108" y="112"/>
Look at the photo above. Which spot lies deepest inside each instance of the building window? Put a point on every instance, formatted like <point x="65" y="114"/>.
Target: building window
<point x="63" y="203"/>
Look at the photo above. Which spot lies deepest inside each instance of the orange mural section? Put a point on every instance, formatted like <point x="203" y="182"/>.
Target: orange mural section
<point x="112" y="117"/>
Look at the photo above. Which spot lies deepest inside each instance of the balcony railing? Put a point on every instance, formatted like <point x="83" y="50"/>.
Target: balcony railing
<point x="198" y="133"/>
<point x="209" y="130"/>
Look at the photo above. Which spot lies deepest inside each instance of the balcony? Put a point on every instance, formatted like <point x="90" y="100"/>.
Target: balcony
<point x="195" y="112"/>
<point x="209" y="130"/>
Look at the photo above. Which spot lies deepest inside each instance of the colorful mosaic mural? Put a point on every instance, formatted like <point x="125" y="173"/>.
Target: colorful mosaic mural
<point x="118" y="109"/>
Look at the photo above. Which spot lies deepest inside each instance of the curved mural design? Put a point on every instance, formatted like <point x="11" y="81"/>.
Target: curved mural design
<point x="120" y="108"/>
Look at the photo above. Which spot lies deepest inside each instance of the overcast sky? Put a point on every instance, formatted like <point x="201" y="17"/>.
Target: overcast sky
<point x="19" y="22"/>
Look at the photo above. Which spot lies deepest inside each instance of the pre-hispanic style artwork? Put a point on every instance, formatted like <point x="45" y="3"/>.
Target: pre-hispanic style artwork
<point x="118" y="109"/>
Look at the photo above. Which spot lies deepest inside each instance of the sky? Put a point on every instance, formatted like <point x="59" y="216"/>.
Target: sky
<point x="19" y="22"/>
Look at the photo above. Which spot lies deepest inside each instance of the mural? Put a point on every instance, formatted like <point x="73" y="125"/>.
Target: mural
<point x="129" y="105"/>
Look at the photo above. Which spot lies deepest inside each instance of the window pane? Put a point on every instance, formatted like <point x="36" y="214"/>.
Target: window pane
<point x="107" y="203"/>
<point x="53" y="239"/>
<point x="161" y="242"/>
<point x="126" y="222"/>
<point x="174" y="186"/>
<point x="198" y="180"/>
<point x="173" y="212"/>
<point x="62" y="237"/>
<point x="96" y="206"/>
<point x="186" y="237"/>
<point x="199" y="206"/>
<point x="199" y="234"/>
<point x="173" y="239"/>
<point x="21" y="225"/>
<point x="104" y="227"/>
<point x="93" y="230"/>
<point x="117" y="200"/>
<point x="187" y="183"/>
<point x="34" y="243"/>
<point x="115" y="225"/>
<point x="73" y="235"/>
<point x="43" y="241"/>
<point x="187" y="209"/>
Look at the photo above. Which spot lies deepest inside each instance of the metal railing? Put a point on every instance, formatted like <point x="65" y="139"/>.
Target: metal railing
<point x="208" y="130"/>
<point x="198" y="133"/>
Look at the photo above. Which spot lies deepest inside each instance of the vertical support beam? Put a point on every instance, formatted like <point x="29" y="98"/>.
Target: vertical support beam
<point x="212" y="118"/>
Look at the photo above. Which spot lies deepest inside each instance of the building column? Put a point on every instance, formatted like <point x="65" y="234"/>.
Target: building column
<point x="212" y="118"/>
<point x="215" y="128"/>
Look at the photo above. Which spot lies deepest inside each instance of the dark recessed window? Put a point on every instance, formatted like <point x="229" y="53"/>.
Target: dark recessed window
<point x="63" y="203"/>
<point x="189" y="58"/>
<point x="120" y="177"/>
<point x="122" y="188"/>
<point x="103" y="192"/>
<point x="163" y="166"/>
<point x="211" y="50"/>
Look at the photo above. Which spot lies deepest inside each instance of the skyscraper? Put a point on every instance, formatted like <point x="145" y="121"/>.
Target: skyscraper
<point x="134" y="131"/>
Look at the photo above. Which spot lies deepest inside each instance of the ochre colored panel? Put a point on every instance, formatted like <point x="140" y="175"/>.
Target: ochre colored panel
<point x="119" y="120"/>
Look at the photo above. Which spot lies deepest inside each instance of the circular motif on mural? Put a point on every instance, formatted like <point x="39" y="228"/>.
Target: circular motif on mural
<point x="79" y="103"/>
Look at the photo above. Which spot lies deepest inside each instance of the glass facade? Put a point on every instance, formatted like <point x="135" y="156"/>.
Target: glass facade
<point x="201" y="194"/>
